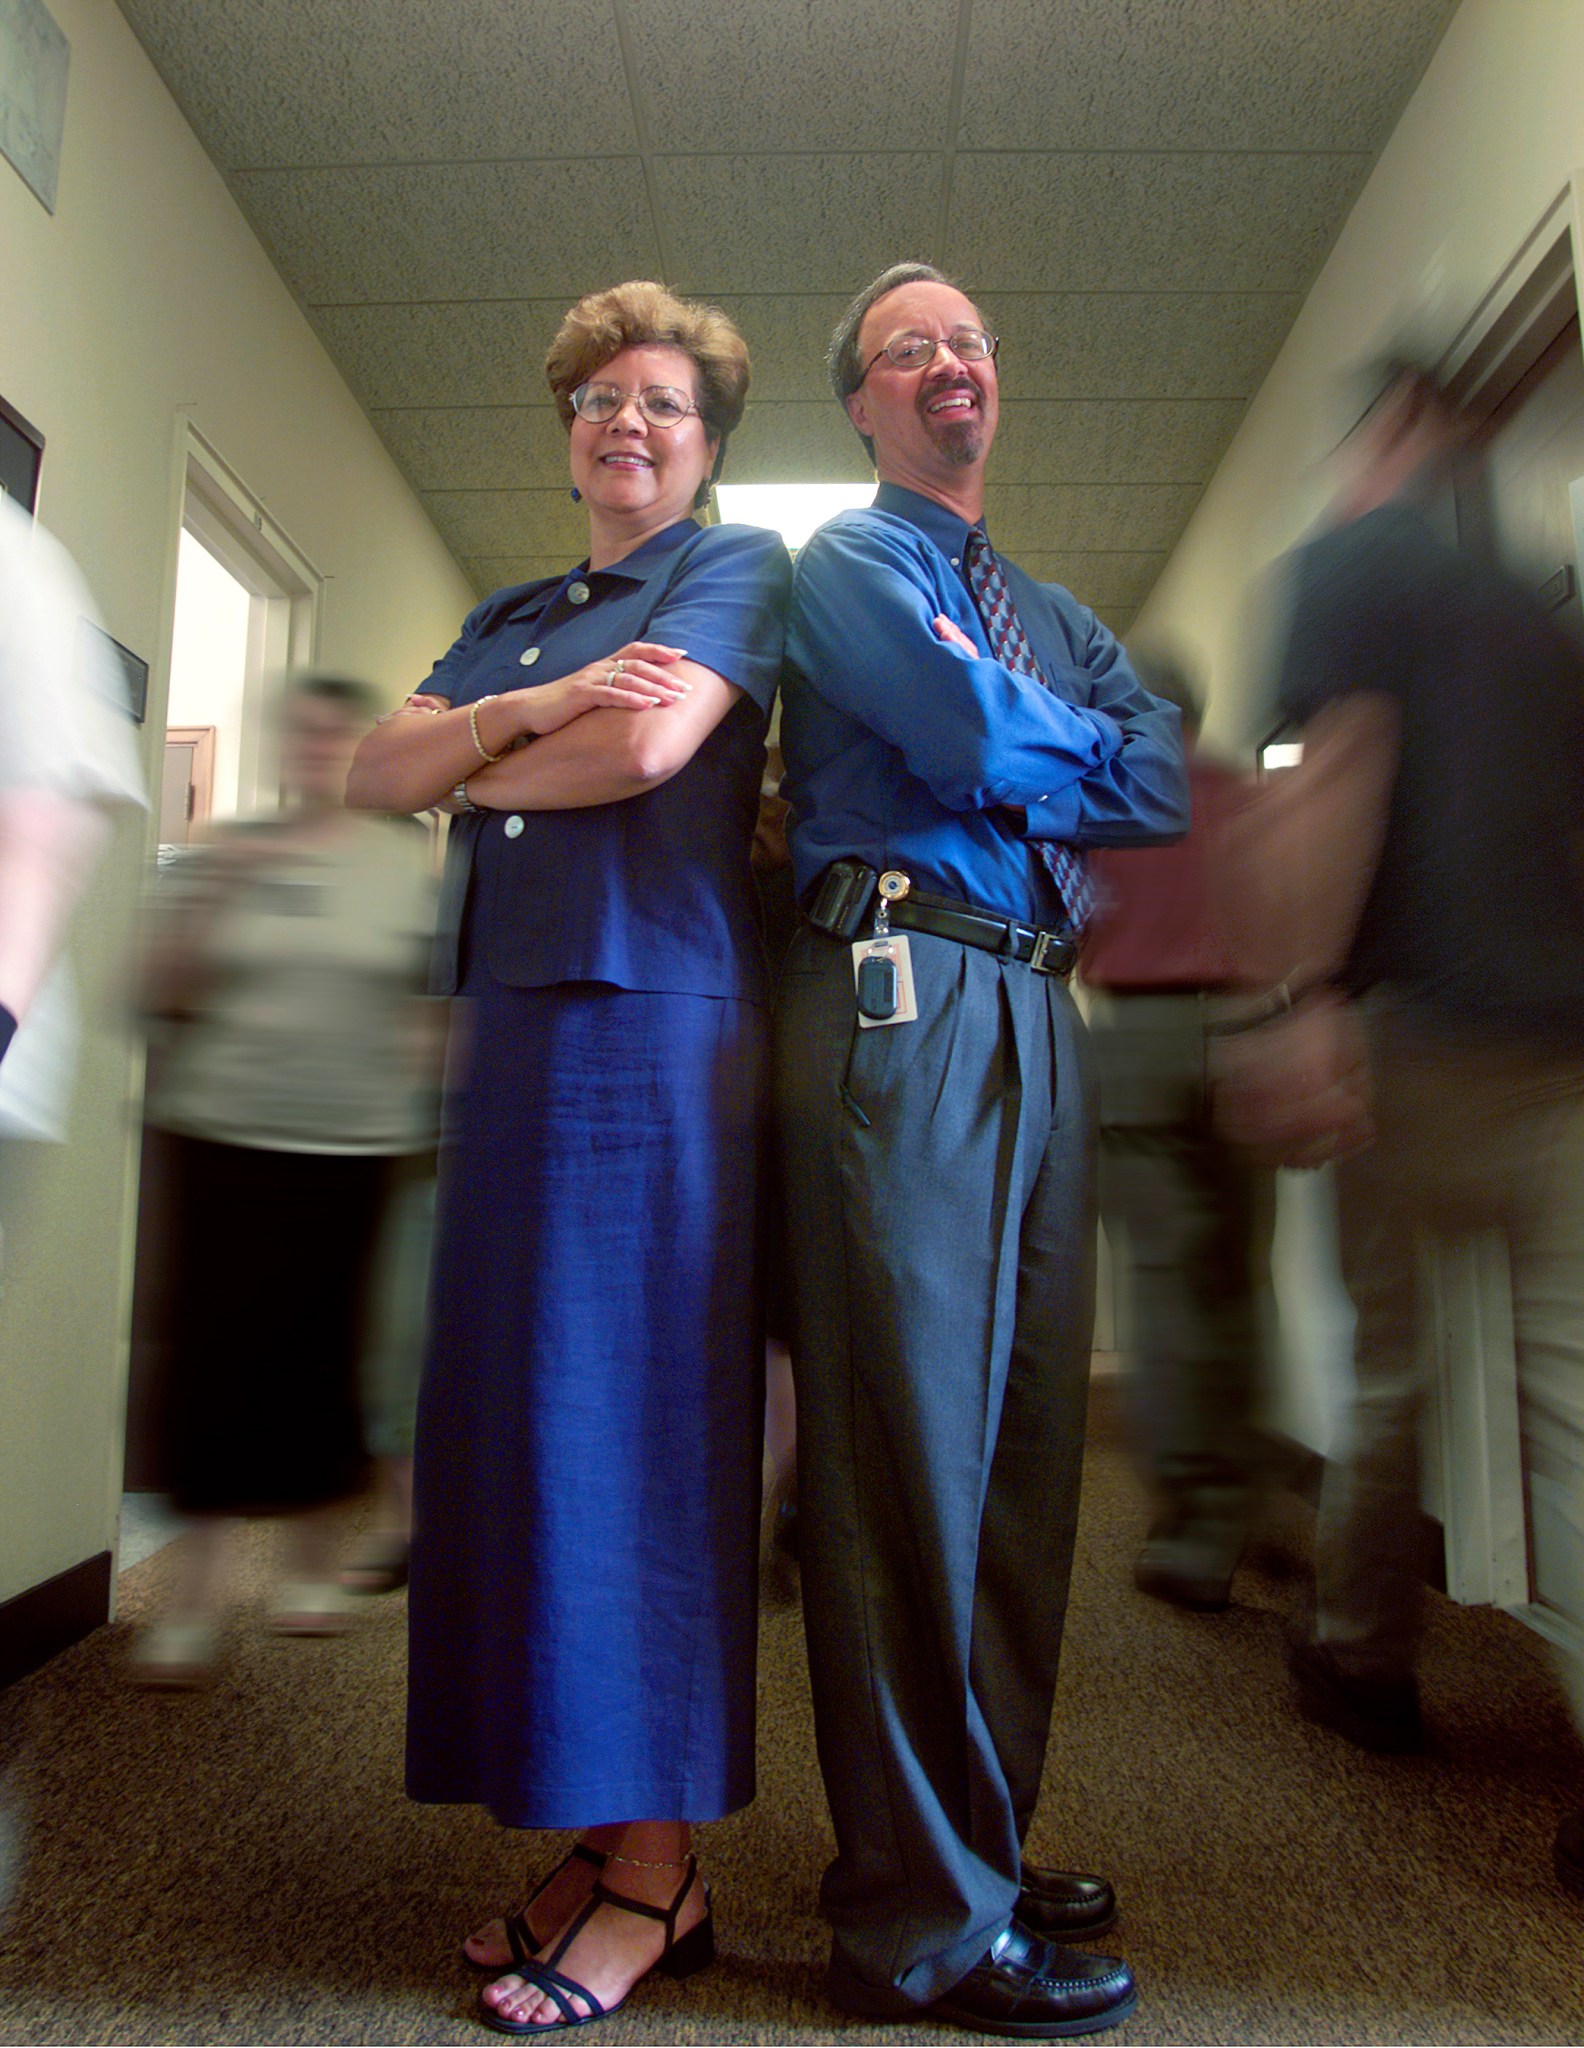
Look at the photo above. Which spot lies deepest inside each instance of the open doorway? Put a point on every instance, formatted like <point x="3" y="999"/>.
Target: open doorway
<point x="207" y="707"/>
<point x="245" y="613"/>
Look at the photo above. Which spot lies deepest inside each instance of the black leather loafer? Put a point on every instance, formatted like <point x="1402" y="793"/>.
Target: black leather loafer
<point x="1063" y="1906"/>
<point x="1027" y="1987"/>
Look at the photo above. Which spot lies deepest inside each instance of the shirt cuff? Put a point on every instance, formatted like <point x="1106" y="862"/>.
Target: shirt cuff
<point x="1052" y="817"/>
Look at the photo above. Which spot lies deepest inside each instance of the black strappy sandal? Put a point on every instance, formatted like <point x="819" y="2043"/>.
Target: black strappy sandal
<point x="520" y="1937"/>
<point x="681" y="1957"/>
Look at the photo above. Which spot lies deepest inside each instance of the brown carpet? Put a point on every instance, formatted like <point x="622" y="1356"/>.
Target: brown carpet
<point x="241" y="1865"/>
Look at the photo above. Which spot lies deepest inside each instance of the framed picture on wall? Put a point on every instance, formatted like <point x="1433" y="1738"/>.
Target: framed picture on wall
<point x="131" y="670"/>
<point x="21" y="452"/>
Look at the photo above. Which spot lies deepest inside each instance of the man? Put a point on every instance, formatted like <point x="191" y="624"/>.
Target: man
<point x="1467" y="962"/>
<point x="1189" y="1215"/>
<point x="939" y="1160"/>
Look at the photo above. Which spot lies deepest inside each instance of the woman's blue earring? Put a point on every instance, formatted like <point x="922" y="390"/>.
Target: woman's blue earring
<point x="577" y="495"/>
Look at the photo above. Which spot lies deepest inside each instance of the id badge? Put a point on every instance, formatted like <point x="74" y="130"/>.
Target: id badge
<point x="883" y="979"/>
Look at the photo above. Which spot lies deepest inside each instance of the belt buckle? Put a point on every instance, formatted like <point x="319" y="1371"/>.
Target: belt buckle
<point x="1045" y="943"/>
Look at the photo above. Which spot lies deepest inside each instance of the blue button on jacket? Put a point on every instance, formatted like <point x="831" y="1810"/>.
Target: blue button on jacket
<point x="909" y="753"/>
<point x="653" y="892"/>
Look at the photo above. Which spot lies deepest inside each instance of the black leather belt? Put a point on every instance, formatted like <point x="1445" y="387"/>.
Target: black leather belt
<point x="838" y="904"/>
<point x="1046" y="952"/>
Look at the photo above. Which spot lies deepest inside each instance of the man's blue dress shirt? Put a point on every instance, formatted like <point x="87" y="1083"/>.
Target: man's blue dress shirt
<point x="906" y="752"/>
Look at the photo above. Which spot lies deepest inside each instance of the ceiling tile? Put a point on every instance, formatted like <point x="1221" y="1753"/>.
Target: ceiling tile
<point x="275" y="82"/>
<point x="808" y="442"/>
<point x="478" y="448"/>
<point x="452" y="231"/>
<point x="527" y="522"/>
<point x="478" y="352"/>
<point x="1128" y="441"/>
<point x="495" y="572"/>
<point x="1193" y="74"/>
<point x="1146" y="222"/>
<point x="1137" y="344"/>
<point x="1031" y="520"/>
<point x="824" y="74"/>
<point x="787" y="336"/>
<point x="749" y="223"/>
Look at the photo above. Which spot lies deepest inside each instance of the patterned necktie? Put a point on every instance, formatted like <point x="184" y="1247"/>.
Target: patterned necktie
<point x="1009" y="644"/>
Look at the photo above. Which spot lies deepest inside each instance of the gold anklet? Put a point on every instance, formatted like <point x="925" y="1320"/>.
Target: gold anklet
<point x="638" y="1862"/>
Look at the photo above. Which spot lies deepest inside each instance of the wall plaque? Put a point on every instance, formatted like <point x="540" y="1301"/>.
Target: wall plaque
<point x="21" y="451"/>
<point x="33" y="59"/>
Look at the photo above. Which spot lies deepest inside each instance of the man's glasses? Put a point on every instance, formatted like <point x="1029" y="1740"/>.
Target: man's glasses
<point x="661" y="404"/>
<point x="914" y="351"/>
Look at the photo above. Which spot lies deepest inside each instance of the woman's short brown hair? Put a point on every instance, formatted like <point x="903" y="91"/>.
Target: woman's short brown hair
<point x="646" y="315"/>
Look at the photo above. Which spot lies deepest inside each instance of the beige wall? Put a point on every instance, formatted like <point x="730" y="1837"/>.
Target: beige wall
<point x="143" y="301"/>
<point x="1489" y="139"/>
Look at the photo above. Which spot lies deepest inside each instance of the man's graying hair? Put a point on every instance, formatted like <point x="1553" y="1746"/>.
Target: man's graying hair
<point x="843" y="358"/>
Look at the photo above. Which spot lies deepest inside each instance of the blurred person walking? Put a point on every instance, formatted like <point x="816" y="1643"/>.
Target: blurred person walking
<point x="287" y="961"/>
<point x="588" y="1447"/>
<point x="1466" y="967"/>
<point x="1182" y="1207"/>
<point x="67" y="762"/>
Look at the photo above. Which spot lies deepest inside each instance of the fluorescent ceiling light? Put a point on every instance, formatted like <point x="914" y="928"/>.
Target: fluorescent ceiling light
<point x="1284" y="754"/>
<point x="791" y="510"/>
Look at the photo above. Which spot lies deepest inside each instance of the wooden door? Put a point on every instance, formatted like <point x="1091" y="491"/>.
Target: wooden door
<point x="187" y="785"/>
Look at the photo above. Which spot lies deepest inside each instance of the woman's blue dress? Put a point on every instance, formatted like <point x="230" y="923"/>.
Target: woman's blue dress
<point x="583" y="1585"/>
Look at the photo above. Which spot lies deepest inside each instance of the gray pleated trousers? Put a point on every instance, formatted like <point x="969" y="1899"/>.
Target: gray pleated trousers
<point x="939" y="1184"/>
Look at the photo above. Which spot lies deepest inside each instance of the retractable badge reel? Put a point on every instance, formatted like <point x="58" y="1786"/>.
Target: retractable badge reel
<point x="882" y="966"/>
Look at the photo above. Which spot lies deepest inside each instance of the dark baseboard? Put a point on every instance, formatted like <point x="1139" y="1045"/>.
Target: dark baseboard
<point x="43" y="1621"/>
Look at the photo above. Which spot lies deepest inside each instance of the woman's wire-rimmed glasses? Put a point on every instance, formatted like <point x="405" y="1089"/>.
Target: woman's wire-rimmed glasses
<point x="914" y="351"/>
<point x="662" y="405"/>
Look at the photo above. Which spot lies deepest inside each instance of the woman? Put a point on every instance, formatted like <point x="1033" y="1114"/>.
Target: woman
<point x="582" y="1648"/>
<point x="287" y="961"/>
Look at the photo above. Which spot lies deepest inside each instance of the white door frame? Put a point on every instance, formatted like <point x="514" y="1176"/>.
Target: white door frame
<point x="210" y="499"/>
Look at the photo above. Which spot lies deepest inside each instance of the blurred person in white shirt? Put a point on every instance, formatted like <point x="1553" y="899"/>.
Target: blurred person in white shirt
<point x="67" y="761"/>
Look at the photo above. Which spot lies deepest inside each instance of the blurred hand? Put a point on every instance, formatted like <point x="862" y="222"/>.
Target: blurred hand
<point x="1296" y="1090"/>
